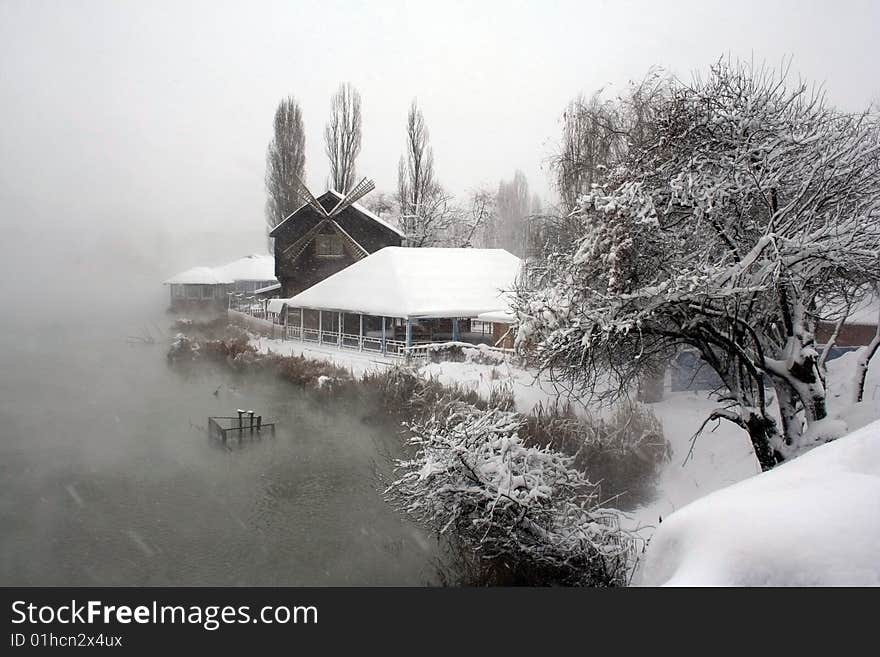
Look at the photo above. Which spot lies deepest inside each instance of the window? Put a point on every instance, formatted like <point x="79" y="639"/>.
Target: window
<point x="328" y="245"/>
<point x="192" y="291"/>
<point x="177" y="290"/>
<point x="207" y="292"/>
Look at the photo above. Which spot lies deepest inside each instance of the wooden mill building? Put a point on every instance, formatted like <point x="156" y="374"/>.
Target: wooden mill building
<point x="309" y="247"/>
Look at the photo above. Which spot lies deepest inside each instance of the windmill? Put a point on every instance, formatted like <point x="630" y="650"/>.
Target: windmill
<point x="364" y="187"/>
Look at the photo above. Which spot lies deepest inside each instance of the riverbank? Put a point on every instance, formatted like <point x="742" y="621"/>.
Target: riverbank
<point x="720" y="457"/>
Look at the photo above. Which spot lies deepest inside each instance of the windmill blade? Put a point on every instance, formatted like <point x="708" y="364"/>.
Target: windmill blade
<point x="364" y="187"/>
<point x="307" y="196"/>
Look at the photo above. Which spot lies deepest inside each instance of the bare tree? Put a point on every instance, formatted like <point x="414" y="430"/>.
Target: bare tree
<point x="425" y="211"/>
<point x="514" y="204"/>
<point x="342" y="137"/>
<point x="382" y="204"/>
<point x="285" y="160"/>
<point x="470" y="228"/>
<point x="597" y="134"/>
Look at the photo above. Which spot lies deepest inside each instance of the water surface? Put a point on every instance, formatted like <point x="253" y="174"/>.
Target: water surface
<point x="107" y="476"/>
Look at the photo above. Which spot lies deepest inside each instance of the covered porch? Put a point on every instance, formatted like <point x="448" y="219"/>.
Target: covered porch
<point x="402" y="302"/>
<point x="395" y="336"/>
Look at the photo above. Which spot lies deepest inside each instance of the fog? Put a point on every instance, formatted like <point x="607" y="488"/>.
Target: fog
<point x="146" y="124"/>
<point x="132" y="143"/>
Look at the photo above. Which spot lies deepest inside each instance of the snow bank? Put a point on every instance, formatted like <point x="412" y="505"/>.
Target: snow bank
<point x="814" y="521"/>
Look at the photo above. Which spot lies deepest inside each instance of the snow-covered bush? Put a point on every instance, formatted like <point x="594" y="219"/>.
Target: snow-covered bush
<point x="229" y="349"/>
<point x="182" y="349"/>
<point x="523" y="509"/>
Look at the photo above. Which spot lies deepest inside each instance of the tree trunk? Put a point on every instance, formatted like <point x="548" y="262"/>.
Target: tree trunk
<point x="864" y="360"/>
<point x="792" y="425"/>
<point x="765" y="439"/>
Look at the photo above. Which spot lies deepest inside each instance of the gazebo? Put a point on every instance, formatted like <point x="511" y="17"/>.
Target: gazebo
<point x="398" y="298"/>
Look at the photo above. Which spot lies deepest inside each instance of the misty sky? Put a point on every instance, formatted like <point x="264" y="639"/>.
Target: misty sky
<point x="156" y="115"/>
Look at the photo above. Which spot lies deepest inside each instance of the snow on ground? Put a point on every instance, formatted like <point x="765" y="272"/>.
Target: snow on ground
<point x="720" y="456"/>
<point x="356" y="362"/>
<point x="811" y="522"/>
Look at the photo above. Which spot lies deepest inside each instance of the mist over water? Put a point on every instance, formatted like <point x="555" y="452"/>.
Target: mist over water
<point x="107" y="476"/>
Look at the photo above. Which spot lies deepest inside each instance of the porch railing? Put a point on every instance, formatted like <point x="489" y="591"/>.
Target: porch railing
<point x="354" y="342"/>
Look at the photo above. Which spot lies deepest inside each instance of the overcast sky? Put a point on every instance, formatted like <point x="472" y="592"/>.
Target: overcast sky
<point x="157" y="114"/>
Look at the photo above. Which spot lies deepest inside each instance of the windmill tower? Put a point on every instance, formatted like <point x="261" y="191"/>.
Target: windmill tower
<point x="364" y="187"/>
<point x="326" y="234"/>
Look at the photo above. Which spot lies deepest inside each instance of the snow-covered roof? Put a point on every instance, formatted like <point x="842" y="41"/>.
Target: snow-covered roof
<point x="498" y="316"/>
<point x="357" y="206"/>
<point x="404" y="282"/>
<point x="250" y="268"/>
<point x="200" y="276"/>
<point x="268" y="288"/>
<point x="371" y="215"/>
<point x="812" y="521"/>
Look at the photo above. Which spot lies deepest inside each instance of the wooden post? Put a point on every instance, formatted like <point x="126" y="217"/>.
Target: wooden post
<point x="361" y="333"/>
<point x="383" y="335"/>
<point x="408" y="333"/>
<point x="320" y="327"/>
<point x="302" y="324"/>
<point x="339" y="331"/>
<point x="251" y="413"/>
<point x="456" y="335"/>
<point x="259" y="423"/>
<point x="240" y="424"/>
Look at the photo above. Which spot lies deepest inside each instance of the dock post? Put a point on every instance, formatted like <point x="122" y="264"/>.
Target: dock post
<point x="240" y="423"/>
<point x="251" y="413"/>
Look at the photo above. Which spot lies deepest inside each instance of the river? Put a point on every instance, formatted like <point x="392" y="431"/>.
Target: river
<point x="107" y="476"/>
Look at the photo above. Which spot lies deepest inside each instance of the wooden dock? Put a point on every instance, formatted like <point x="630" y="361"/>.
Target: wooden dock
<point x="246" y="424"/>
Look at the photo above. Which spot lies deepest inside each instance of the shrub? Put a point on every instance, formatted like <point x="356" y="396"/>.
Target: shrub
<point x="182" y="349"/>
<point x="407" y="395"/>
<point x="524" y="512"/>
<point x="623" y="453"/>
<point x="227" y="349"/>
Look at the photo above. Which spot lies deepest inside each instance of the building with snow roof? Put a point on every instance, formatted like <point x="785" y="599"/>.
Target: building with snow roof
<point x="250" y="273"/>
<point x="199" y="288"/>
<point x="309" y="247"/>
<point x="397" y="298"/>
<point x="207" y="288"/>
